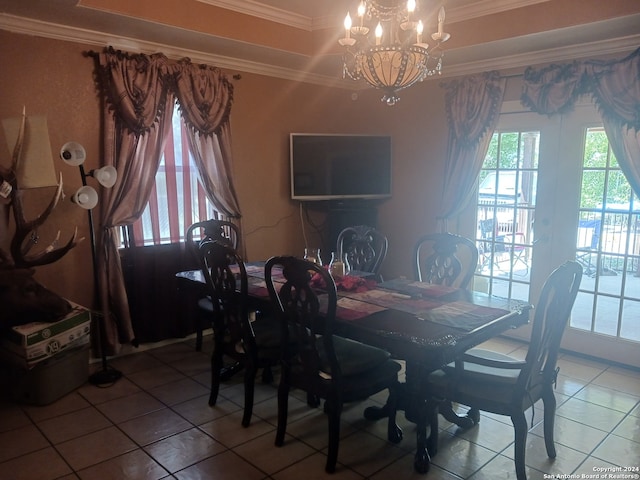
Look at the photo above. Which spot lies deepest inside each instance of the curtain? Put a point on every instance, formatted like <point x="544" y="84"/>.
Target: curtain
<point x="205" y="96"/>
<point x="138" y="93"/>
<point x="615" y="88"/>
<point x="473" y="106"/>
<point x="177" y="199"/>
<point x="135" y="100"/>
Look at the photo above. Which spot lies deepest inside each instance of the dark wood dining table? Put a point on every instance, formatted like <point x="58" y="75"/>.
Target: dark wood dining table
<point x="425" y="325"/>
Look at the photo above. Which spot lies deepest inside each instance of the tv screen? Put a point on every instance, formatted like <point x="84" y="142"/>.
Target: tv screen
<point x="334" y="167"/>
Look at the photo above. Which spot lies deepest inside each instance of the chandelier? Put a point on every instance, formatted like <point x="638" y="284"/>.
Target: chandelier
<point x="395" y="56"/>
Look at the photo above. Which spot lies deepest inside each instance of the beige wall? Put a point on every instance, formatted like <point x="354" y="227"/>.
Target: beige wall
<point x="54" y="78"/>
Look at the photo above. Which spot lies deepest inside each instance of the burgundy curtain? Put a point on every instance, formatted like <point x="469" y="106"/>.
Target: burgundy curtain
<point x="205" y="96"/>
<point x="473" y="106"/>
<point x="137" y="116"/>
<point x="615" y="88"/>
<point x="138" y="93"/>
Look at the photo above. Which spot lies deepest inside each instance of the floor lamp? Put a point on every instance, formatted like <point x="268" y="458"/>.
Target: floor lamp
<point x="73" y="154"/>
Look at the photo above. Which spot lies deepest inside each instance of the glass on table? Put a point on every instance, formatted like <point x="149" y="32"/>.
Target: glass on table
<point x="339" y="266"/>
<point x="313" y="255"/>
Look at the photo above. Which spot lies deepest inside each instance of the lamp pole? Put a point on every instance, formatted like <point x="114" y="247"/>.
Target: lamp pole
<point x="74" y="154"/>
<point x="107" y="375"/>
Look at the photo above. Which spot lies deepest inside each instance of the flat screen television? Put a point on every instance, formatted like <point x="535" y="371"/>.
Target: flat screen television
<point x="340" y="167"/>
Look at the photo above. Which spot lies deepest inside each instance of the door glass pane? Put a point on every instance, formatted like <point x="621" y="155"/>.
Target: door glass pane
<point x="629" y="325"/>
<point x="607" y="246"/>
<point x="505" y="212"/>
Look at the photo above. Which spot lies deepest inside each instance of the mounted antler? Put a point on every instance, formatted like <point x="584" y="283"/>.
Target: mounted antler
<point x="11" y="197"/>
<point x="22" y="298"/>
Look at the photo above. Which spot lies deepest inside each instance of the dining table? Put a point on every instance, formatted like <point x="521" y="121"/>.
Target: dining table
<point x="425" y="325"/>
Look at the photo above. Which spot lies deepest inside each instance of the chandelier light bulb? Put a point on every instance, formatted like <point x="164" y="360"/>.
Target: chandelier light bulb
<point x="362" y="8"/>
<point x="361" y="29"/>
<point x="347" y="24"/>
<point x="347" y="41"/>
<point x="419" y="30"/>
<point x="411" y="6"/>
<point x="378" y="34"/>
<point x="440" y="35"/>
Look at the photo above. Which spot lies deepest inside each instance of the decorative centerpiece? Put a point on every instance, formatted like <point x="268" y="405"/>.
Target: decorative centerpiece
<point x="346" y="283"/>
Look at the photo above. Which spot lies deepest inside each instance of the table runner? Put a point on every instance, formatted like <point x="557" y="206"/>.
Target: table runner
<point x="426" y="301"/>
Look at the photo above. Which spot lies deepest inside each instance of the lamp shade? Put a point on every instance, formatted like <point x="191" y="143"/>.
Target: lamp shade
<point x="86" y="197"/>
<point x="106" y="176"/>
<point x="35" y="167"/>
<point x="73" y="154"/>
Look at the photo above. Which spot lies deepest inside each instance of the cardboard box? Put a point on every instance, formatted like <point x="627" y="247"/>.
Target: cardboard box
<point x="50" y="379"/>
<point x="34" y="342"/>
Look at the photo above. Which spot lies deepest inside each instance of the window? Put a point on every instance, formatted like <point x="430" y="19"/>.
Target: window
<point x="608" y="244"/>
<point x="505" y="210"/>
<point x="177" y="199"/>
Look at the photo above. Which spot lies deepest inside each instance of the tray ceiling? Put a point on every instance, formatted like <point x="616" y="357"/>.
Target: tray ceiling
<point x="297" y="39"/>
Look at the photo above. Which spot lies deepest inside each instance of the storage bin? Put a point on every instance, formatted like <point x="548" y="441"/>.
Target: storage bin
<point x="50" y="379"/>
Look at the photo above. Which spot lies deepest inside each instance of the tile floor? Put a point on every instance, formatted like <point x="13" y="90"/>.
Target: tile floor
<point x="155" y="423"/>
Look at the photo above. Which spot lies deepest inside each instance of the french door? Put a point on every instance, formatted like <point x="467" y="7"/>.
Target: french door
<point x="551" y="190"/>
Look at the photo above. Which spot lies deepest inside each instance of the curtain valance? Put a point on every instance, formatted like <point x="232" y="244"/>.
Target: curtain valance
<point x="614" y="85"/>
<point x="135" y="87"/>
<point x="615" y="88"/>
<point x="204" y="94"/>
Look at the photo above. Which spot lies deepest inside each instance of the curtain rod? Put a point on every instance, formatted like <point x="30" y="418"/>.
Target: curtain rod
<point x="94" y="54"/>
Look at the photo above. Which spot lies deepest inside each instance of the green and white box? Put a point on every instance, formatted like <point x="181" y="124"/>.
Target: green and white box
<point x="34" y="342"/>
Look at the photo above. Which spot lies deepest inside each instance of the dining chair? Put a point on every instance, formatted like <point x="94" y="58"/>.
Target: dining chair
<point x="324" y="365"/>
<point x="504" y="385"/>
<point x="495" y="245"/>
<point x="492" y="245"/>
<point x="197" y="233"/>
<point x="212" y="229"/>
<point x="253" y="345"/>
<point x="364" y="247"/>
<point x="445" y="259"/>
<point x="515" y="247"/>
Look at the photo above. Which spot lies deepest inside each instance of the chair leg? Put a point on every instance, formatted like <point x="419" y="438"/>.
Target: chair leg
<point x="520" y="426"/>
<point x="313" y="400"/>
<point x="249" y="383"/>
<point x="333" y="407"/>
<point x="216" y="366"/>
<point x="549" y="402"/>
<point x="471" y="419"/>
<point x="394" y="432"/>
<point x="198" y="326"/>
<point x="283" y="406"/>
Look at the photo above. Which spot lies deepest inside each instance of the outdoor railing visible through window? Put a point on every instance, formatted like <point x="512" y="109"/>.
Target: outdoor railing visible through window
<point x="177" y="199"/>
<point x="608" y="244"/>
<point x="505" y="211"/>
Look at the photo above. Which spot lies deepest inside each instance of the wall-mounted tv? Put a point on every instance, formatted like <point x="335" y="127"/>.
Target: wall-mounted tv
<point x="340" y="167"/>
